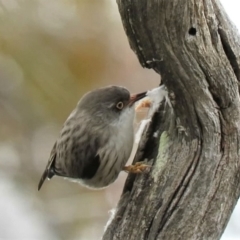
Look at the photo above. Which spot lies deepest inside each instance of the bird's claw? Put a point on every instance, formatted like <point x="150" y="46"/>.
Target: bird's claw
<point x="138" y="167"/>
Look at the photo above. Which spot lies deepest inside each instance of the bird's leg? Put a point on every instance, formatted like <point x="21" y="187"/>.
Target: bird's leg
<point x="138" y="167"/>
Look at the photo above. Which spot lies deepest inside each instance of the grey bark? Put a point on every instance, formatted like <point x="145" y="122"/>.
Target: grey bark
<point x="194" y="183"/>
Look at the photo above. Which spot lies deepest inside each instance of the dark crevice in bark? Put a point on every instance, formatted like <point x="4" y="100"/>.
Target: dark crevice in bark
<point x="150" y="149"/>
<point x="222" y="140"/>
<point x="229" y="53"/>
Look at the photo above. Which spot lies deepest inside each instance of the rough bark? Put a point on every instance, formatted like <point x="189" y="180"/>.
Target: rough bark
<point x="194" y="183"/>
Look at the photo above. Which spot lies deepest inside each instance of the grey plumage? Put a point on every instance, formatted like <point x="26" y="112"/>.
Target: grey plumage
<point x="96" y="140"/>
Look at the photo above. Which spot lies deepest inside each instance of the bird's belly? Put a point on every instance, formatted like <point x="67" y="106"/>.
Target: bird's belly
<point x="113" y="159"/>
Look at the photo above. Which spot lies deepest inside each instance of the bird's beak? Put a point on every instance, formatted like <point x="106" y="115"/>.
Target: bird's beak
<point x="135" y="97"/>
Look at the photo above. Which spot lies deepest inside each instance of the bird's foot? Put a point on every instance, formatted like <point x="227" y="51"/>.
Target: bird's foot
<point x="138" y="167"/>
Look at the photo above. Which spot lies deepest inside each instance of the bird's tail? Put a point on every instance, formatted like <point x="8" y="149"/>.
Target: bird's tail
<point x="48" y="173"/>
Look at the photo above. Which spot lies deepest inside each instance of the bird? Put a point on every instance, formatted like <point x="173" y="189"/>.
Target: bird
<point x="96" y="140"/>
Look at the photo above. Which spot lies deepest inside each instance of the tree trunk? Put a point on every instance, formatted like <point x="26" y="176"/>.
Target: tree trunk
<point x="194" y="183"/>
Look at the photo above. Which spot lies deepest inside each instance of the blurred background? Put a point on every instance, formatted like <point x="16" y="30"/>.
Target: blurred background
<point x="51" y="53"/>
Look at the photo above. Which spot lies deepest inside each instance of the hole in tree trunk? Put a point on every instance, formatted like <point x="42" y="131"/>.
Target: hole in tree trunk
<point x="192" y="31"/>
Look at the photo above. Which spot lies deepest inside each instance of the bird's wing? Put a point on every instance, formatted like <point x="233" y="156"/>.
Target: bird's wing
<point x="49" y="171"/>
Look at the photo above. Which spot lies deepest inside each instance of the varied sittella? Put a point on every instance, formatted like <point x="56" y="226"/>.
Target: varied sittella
<point x="96" y="140"/>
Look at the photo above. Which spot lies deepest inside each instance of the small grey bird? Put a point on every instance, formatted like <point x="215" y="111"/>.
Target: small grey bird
<point x="96" y="140"/>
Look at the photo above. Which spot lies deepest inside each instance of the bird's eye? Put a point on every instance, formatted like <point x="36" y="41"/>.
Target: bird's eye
<point x="120" y="105"/>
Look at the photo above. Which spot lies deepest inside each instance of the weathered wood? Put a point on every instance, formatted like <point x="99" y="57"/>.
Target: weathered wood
<point x="194" y="184"/>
